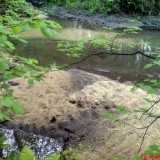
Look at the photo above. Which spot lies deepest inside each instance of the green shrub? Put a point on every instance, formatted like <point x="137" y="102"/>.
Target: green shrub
<point x="141" y="7"/>
<point x="144" y="7"/>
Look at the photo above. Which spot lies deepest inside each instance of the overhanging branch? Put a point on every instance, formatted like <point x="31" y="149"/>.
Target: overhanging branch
<point x="111" y="54"/>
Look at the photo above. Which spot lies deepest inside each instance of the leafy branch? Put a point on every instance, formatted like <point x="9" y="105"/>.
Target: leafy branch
<point x="100" y="42"/>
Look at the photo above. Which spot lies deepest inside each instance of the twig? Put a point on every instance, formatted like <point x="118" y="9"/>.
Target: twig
<point x="146" y="133"/>
<point x="105" y="53"/>
<point x="111" y="48"/>
<point x="150" y="107"/>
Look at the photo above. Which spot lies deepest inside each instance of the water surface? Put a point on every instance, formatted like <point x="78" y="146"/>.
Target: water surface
<point x="122" y="68"/>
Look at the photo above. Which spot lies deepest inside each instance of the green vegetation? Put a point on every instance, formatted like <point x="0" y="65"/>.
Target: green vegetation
<point x="136" y="7"/>
<point x="17" y="8"/>
<point x="15" y="66"/>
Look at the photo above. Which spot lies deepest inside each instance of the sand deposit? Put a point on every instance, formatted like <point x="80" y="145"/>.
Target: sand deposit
<point x="66" y="104"/>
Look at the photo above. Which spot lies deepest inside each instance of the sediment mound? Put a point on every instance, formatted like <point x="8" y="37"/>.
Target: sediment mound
<point x="66" y="106"/>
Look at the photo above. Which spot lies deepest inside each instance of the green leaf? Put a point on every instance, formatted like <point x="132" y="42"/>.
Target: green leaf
<point x="149" y="100"/>
<point x="54" y="33"/>
<point x="16" y="29"/>
<point x="42" y="26"/>
<point x="46" y="32"/>
<point x="134" y="21"/>
<point x="3" y="38"/>
<point x="148" y="66"/>
<point x="153" y="81"/>
<point x="118" y="158"/>
<point x="38" y="78"/>
<point x="154" y="147"/>
<point x="7" y="102"/>
<point x="55" y="157"/>
<point x="22" y="40"/>
<point x="133" y="89"/>
<point x="137" y="158"/>
<point x="148" y="152"/>
<point x="17" y="108"/>
<point x="109" y="116"/>
<point x="33" y="61"/>
<point x="26" y="154"/>
<point x="157" y="62"/>
<point x="25" y="27"/>
<point x="122" y="109"/>
<point x="4" y="65"/>
<point x="10" y="45"/>
<point x="1" y="116"/>
<point x="140" y="110"/>
<point x="30" y="81"/>
<point x="4" y="117"/>
<point x="152" y="91"/>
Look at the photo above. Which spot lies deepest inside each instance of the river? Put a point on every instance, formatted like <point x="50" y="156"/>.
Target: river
<point x="121" y="68"/>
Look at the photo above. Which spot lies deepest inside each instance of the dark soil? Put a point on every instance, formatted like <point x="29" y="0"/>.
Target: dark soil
<point x="69" y="132"/>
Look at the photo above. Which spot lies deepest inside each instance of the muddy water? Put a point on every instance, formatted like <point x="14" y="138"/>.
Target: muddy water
<point x="122" y="68"/>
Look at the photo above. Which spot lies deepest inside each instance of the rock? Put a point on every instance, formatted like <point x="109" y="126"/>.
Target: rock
<point x="13" y="83"/>
<point x="42" y="16"/>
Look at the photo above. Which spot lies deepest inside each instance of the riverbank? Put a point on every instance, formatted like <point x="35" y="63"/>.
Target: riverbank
<point x="66" y="106"/>
<point x="112" y="20"/>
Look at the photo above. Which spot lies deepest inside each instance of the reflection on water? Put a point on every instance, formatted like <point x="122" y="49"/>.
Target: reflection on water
<point x="41" y="146"/>
<point x="44" y="50"/>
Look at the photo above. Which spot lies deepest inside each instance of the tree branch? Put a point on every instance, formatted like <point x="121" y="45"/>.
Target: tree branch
<point x="105" y="53"/>
<point x="146" y="133"/>
<point x="150" y="107"/>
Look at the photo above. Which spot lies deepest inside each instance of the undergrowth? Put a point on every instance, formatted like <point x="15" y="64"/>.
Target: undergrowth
<point x="135" y="7"/>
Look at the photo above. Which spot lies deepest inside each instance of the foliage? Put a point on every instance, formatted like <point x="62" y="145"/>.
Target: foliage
<point x="142" y="7"/>
<point x="100" y="42"/>
<point x="17" y="8"/>
<point x="15" y="66"/>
